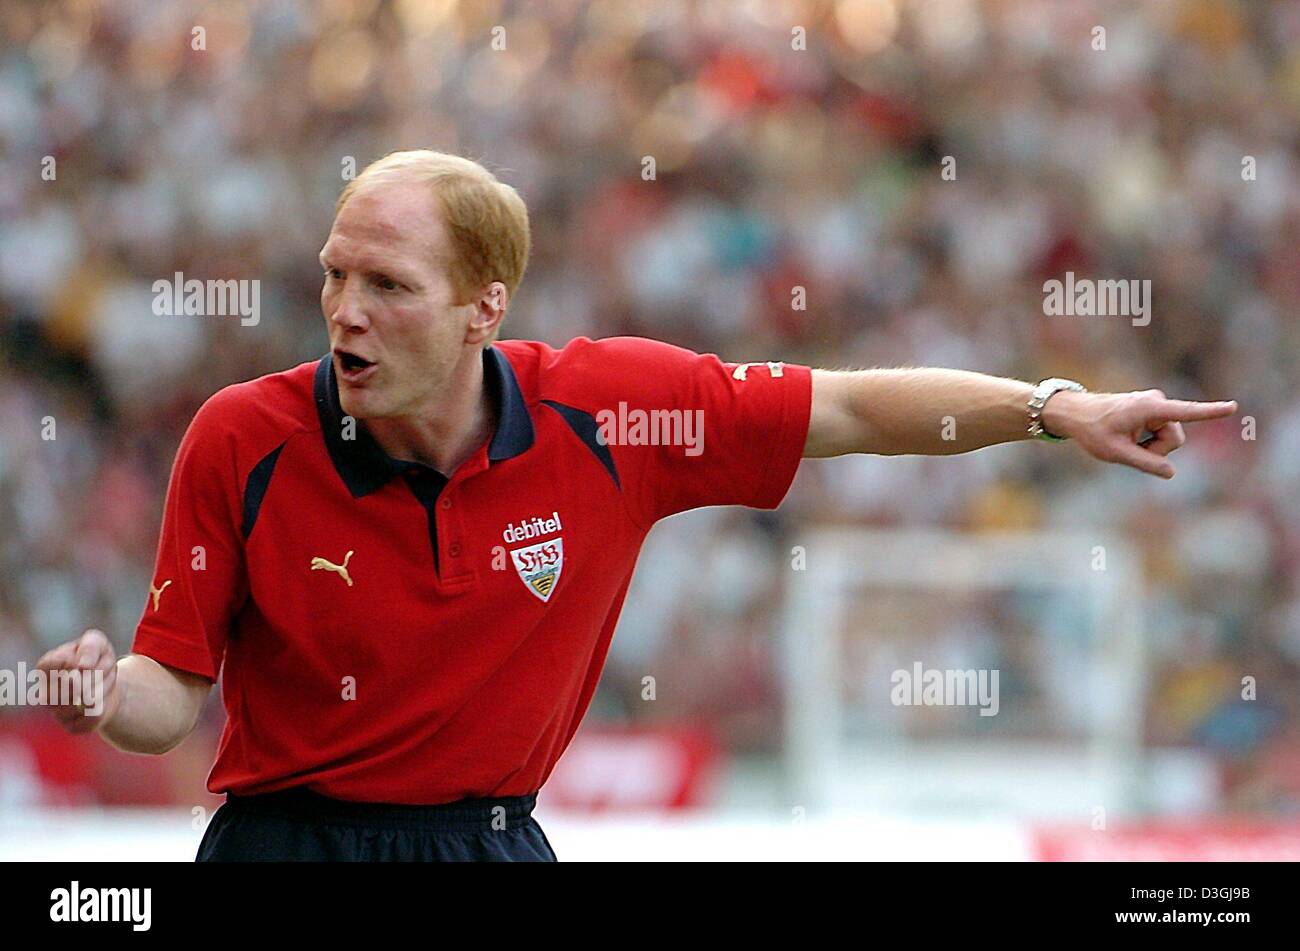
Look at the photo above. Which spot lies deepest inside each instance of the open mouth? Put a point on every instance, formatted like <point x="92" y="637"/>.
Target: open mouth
<point x="352" y="367"/>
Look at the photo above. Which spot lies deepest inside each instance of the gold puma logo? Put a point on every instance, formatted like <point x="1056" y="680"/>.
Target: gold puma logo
<point x="318" y="564"/>
<point x="157" y="592"/>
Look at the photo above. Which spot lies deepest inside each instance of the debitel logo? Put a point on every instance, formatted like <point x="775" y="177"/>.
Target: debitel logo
<point x="532" y="528"/>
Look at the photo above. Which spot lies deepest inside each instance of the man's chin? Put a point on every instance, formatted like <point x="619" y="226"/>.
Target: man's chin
<point x="358" y="405"/>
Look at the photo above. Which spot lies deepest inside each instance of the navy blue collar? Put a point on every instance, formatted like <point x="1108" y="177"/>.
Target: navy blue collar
<point x="365" y="467"/>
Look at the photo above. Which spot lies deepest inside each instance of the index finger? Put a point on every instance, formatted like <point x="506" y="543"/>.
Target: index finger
<point x="1190" y="411"/>
<point x="62" y="657"/>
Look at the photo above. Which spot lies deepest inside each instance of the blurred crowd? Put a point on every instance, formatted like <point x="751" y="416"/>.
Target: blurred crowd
<point x="852" y="184"/>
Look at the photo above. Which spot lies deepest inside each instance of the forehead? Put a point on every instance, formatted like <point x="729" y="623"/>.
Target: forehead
<point x="387" y="222"/>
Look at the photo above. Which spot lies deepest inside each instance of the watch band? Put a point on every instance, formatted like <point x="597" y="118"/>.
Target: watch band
<point x="1042" y="393"/>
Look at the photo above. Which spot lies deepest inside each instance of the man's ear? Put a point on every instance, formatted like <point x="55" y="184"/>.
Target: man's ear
<point x="489" y="311"/>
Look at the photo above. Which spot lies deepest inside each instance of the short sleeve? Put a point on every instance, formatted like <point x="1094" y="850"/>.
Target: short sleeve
<point x="694" y="430"/>
<point x="199" y="576"/>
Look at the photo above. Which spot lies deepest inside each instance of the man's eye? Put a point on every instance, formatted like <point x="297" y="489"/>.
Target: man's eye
<point x="331" y="272"/>
<point x="387" y="284"/>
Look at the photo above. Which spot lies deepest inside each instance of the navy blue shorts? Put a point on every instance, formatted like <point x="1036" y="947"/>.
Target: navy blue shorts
<point x="297" y="825"/>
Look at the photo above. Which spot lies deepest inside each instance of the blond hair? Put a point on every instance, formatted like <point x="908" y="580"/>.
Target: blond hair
<point x="486" y="219"/>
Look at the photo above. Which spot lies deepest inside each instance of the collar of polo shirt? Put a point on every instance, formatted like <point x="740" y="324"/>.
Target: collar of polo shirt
<point x="365" y="467"/>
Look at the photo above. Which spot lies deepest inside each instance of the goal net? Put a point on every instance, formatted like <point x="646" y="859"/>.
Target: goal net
<point x="989" y="674"/>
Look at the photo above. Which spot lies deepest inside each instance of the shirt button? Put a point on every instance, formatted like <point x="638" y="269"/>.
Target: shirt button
<point x="446" y="503"/>
<point x="454" y="549"/>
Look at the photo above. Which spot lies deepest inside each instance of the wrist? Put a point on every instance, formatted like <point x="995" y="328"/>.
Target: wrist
<point x="1062" y="411"/>
<point x="112" y="701"/>
<point x="1057" y="426"/>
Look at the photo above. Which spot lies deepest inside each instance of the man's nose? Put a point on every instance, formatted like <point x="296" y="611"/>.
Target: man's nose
<point x="349" y="310"/>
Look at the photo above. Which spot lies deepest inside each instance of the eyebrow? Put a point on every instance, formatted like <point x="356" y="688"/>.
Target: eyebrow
<point x="367" y="268"/>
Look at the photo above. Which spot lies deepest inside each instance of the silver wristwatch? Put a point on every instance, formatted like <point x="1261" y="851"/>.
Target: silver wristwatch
<point x="1042" y="393"/>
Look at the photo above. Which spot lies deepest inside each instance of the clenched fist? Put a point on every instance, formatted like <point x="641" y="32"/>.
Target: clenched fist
<point x="90" y="703"/>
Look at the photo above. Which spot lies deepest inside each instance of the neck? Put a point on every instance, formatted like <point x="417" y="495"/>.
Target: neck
<point x="447" y="431"/>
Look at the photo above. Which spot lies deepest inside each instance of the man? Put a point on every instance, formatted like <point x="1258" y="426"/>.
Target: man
<point x="408" y="558"/>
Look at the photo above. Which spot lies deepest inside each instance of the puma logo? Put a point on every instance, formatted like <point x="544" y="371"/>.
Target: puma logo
<point x="157" y="592"/>
<point x="774" y="367"/>
<point x="320" y="564"/>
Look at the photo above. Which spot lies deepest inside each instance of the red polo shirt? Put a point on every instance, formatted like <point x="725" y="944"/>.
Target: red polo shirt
<point x="387" y="634"/>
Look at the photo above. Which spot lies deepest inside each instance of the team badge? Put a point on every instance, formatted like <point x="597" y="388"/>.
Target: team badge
<point x="539" y="566"/>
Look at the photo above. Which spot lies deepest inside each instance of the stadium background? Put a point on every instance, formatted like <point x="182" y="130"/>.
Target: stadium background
<point x="775" y="168"/>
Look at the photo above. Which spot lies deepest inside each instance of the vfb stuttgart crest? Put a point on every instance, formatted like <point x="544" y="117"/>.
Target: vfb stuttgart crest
<point x="539" y="566"/>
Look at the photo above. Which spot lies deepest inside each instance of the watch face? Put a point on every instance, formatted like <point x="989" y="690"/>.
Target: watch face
<point x="1046" y="388"/>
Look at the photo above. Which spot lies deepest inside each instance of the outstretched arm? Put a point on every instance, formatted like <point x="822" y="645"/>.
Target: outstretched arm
<point x="935" y="411"/>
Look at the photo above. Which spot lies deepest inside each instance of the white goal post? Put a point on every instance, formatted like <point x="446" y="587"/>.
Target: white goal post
<point x="825" y="770"/>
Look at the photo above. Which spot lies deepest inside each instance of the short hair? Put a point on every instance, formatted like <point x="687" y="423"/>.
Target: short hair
<point x="486" y="219"/>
